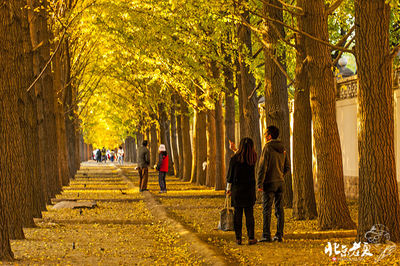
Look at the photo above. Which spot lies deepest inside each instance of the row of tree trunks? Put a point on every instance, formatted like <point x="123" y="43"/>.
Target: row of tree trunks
<point x="180" y="142"/>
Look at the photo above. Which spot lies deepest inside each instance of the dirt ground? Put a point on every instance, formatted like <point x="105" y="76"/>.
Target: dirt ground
<point x="178" y="227"/>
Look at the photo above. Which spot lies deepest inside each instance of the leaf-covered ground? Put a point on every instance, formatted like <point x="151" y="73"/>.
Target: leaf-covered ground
<point x="122" y="230"/>
<point x="198" y="209"/>
<point x="115" y="233"/>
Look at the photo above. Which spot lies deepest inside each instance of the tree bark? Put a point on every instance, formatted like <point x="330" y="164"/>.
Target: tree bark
<point x="333" y="212"/>
<point x="134" y="151"/>
<point x="304" y="205"/>
<point x="201" y="137"/>
<point x="69" y="116"/>
<point x="229" y="113"/>
<point x="180" y="143"/>
<point x="165" y="136"/>
<point x="187" y="147"/>
<point x="174" y="142"/>
<point x="220" y="181"/>
<point x="153" y="145"/>
<point x="379" y="196"/>
<point x="193" y="177"/>
<point x="60" y="77"/>
<point x="211" y="149"/>
<point x="250" y="121"/>
<point x="15" y="78"/>
<point x="276" y="94"/>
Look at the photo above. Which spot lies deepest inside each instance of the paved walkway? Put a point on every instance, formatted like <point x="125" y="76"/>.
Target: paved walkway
<point x="127" y="227"/>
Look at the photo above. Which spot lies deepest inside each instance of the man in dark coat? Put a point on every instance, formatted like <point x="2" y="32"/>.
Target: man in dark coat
<point x="143" y="164"/>
<point x="273" y="165"/>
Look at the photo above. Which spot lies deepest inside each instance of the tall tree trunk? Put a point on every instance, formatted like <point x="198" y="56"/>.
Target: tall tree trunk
<point x="165" y="137"/>
<point x="201" y="137"/>
<point x="332" y="209"/>
<point x="187" y="147"/>
<point x="379" y="196"/>
<point x="38" y="200"/>
<point x="219" y="144"/>
<point x="193" y="177"/>
<point x="229" y="113"/>
<point x="211" y="149"/>
<point x="174" y="141"/>
<point x="69" y="116"/>
<point x="153" y="145"/>
<point x="171" y="171"/>
<point x="276" y="94"/>
<point x="15" y="78"/>
<point x="127" y="149"/>
<point x="250" y="123"/>
<point x="180" y="143"/>
<point x="58" y="101"/>
<point x="134" y="151"/>
<point x="304" y="205"/>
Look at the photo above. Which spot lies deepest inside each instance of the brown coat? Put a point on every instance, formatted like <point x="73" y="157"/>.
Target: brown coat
<point x="273" y="164"/>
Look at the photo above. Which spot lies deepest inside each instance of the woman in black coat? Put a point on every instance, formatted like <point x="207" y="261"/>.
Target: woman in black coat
<point x="241" y="185"/>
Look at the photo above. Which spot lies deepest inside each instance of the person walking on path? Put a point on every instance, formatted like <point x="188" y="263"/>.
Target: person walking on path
<point x="273" y="165"/>
<point x="104" y="155"/>
<point x="98" y="155"/>
<point x="143" y="164"/>
<point x="162" y="167"/>
<point x="120" y="155"/>
<point x="241" y="185"/>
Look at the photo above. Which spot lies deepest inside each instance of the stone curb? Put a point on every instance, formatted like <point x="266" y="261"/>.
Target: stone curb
<point x="159" y="211"/>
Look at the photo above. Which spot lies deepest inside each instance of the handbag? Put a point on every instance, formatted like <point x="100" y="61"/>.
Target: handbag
<point x="226" y="216"/>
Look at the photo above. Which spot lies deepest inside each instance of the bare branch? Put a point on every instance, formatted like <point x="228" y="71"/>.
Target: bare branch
<point x="299" y="13"/>
<point x="330" y="9"/>
<point x="394" y="52"/>
<point x="310" y="36"/>
<point x="47" y="64"/>
<point x="291" y="6"/>
<point x="345" y="37"/>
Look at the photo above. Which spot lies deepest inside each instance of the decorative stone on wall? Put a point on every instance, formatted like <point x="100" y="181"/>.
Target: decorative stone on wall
<point x="346" y="88"/>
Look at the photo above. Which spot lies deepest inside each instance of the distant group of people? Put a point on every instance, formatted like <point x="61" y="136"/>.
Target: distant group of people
<point x="241" y="185"/>
<point x="103" y="155"/>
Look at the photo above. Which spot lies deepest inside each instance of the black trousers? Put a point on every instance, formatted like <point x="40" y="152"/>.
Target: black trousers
<point x="238" y="221"/>
<point x="273" y="193"/>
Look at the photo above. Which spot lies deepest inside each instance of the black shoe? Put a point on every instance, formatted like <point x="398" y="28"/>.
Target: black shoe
<point x="265" y="239"/>
<point x="277" y="238"/>
<point x="140" y="190"/>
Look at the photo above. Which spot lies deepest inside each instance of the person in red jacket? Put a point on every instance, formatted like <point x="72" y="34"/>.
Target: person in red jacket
<point x="162" y="167"/>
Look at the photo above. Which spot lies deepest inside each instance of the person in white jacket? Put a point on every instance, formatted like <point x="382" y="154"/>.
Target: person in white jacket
<point x="120" y="155"/>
